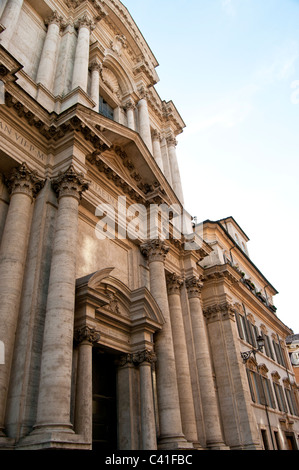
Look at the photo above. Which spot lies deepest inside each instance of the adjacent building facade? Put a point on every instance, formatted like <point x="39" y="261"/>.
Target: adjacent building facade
<point x="122" y="323"/>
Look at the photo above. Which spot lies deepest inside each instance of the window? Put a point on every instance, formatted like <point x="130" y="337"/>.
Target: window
<point x="260" y="387"/>
<point x="255" y="386"/>
<point x="282" y="405"/>
<point x="246" y="329"/>
<point x="269" y="397"/>
<point x="291" y="400"/>
<point x="268" y="347"/>
<point x="105" y="109"/>
<point x="279" y="354"/>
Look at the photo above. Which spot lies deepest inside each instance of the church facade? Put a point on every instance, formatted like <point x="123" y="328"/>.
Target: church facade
<point x="123" y="324"/>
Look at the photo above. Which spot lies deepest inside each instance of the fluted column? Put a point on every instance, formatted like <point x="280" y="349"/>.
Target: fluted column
<point x="144" y="360"/>
<point x="174" y="168"/>
<point x="214" y="439"/>
<point x="53" y="408"/>
<point x="80" y="73"/>
<point x="85" y="337"/>
<point x="24" y="184"/>
<point x="143" y="120"/>
<point x="156" y="138"/>
<point x="171" y="434"/>
<point x="95" y="68"/>
<point x="9" y="20"/>
<point x="174" y="284"/>
<point x="46" y="69"/>
<point x="130" y="108"/>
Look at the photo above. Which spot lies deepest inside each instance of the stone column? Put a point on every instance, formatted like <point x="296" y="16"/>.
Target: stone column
<point x="130" y="108"/>
<point x="165" y="159"/>
<point x="174" y="284"/>
<point x="127" y="406"/>
<point x="46" y="69"/>
<point x="174" y="168"/>
<point x="156" y="138"/>
<point x="9" y="19"/>
<point x="171" y="434"/>
<point x="95" y="68"/>
<point x="144" y="360"/>
<point x="85" y="337"/>
<point x="80" y="72"/>
<point x="214" y="439"/>
<point x="53" y="408"/>
<point x="143" y="120"/>
<point x="23" y="184"/>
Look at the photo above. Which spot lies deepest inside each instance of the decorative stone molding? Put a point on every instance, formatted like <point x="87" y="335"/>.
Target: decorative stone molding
<point x="174" y="283"/>
<point x="24" y="180"/>
<point x="70" y="183"/>
<point x="263" y="370"/>
<point x="155" y="250"/>
<point x="275" y="376"/>
<point x="194" y="285"/>
<point x="218" y="312"/>
<point x="86" y="334"/>
<point x="113" y="303"/>
<point x="118" y="44"/>
<point x="110" y="80"/>
<point x="101" y="13"/>
<point x="252" y="364"/>
<point x="3" y="71"/>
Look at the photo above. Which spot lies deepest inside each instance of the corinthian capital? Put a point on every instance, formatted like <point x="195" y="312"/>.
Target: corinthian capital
<point x="70" y="183"/>
<point x="55" y="18"/>
<point x="144" y="356"/>
<point x="130" y="104"/>
<point x="194" y="286"/>
<point x="86" y="22"/>
<point x="86" y="334"/>
<point x="155" y="250"/>
<point x="143" y="93"/>
<point x="174" y="283"/>
<point x="171" y="141"/>
<point x="24" y="180"/>
<point x="95" y="65"/>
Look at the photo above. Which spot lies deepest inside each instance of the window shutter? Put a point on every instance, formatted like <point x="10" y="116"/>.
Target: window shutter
<point x="249" y="377"/>
<point x="239" y="326"/>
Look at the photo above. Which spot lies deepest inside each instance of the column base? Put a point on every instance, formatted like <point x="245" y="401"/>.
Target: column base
<point x="217" y="446"/>
<point x="53" y="440"/>
<point x="174" y="443"/>
<point x="7" y="443"/>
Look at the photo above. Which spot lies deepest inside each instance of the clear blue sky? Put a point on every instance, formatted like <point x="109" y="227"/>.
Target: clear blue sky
<point x="231" y="68"/>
